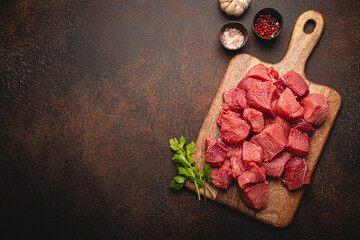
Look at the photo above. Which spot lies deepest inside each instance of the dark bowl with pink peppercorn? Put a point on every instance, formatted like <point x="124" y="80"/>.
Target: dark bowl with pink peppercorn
<point x="267" y="24"/>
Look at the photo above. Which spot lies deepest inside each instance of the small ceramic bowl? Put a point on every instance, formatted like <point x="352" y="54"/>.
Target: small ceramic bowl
<point x="238" y="26"/>
<point x="273" y="13"/>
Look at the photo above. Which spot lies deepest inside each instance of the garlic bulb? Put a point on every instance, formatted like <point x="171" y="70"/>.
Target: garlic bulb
<point x="234" y="7"/>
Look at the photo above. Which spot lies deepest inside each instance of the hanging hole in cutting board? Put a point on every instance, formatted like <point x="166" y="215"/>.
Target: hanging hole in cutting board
<point x="309" y="26"/>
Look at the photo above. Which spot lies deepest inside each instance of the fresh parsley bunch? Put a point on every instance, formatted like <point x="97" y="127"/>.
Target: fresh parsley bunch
<point x="187" y="169"/>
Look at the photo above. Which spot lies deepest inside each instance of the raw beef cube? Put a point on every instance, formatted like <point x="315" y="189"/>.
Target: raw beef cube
<point x="274" y="105"/>
<point x="288" y="108"/>
<point x="296" y="173"/>
<point x="231" y="150"/>
<point x="255" y="118"/>
<point x="222" y="177"/>
<point x="224" y="110"/>
<point x="304" y="126"/>
<point x="316" y="108"/>
<point x="298" y="143"/>
<point x="246" y="81"/>
<point x="252" y="153"/>
<point x="255" y="194"/>
<point x="275" y="167"/>
<point x="237" y="164"/>
<point x="279" y="120"/>
<point x="272" y="140"/>
<point x="263" y="73"/>
<point x="295" y="83"/>
<point x="215" y="153"/>
<point x="260" y="95"/>
<point x="252" y="174"/>
<point x="235" y="99"/>
<point x="273" y="73"/>
<point x="234" y="130"/>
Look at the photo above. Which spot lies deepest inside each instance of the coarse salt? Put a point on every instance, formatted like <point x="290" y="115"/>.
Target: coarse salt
<point x="232" y="38"/>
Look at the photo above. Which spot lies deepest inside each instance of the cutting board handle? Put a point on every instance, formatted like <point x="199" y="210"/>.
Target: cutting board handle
<point x="302" y="43"/>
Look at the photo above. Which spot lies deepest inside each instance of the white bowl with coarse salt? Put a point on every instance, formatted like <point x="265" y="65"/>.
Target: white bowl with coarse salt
<point x="233" y="35"/>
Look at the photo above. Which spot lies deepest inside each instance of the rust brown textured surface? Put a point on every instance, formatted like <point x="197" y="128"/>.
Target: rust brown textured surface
<point x="91" y="91"/>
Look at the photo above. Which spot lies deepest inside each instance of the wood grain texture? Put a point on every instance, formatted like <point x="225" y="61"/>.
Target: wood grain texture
<point x="282" y="203"/>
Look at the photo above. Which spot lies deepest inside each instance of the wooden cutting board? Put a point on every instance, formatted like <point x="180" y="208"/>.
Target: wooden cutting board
<point x="282" y="203"/>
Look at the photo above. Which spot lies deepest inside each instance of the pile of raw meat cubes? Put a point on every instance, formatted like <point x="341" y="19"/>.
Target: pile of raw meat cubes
<point x="265" y="124"/>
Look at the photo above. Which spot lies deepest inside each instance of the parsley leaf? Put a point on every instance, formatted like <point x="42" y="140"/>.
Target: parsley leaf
<point x="190" y="148"/>
<point x="186" y="168"/>
<point x="207" y="172"/>
<point x="174" y="144"/>
<point x="182" y="141"/>
<point x="176" y="185"/>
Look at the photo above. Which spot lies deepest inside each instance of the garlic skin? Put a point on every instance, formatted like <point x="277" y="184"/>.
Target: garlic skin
<point x="234" y="7"/>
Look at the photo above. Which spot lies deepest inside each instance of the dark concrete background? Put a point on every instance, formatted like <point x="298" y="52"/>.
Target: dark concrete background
<point x="91" y="91"/>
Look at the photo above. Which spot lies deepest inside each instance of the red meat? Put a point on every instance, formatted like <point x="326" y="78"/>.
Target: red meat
<point x="288" y="108"/>
<point x="272" y="140"/>
<point x="282" y="114"/>
<point x="252" y="174"/>
<point x="234" y="130"/>
<point x="304" y="126"/>
<point x="263" y="73"/>
<point x="255" y="118"/>
<point x="225" y="110"/>
<point x="260" y="96"/>
<point x="296" y="173"/>
<point x="294" y="82"/>
<point x="222" y="177"/>
<point x="275" y="167"/>
<point x="298" y="143"/>
<point x="316" y="108"/>
<point x="252" y="153"/>
<point x="246" y="81"/>
<point x="235" y="99"/>
<point x="231" y="150"/>
<point x="215" y="153"/>
<point x="237" y="164"/>
<point x="279" y="120"/>
<point x="274" y="105"/>
<point x="255" y="195"/>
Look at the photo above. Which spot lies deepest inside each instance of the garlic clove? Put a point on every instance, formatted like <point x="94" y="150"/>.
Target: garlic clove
<point x="223" y="6"/>
<point x="244" y="3"/>
<point x="239" y="10"/>
<point x="231" y="8"/>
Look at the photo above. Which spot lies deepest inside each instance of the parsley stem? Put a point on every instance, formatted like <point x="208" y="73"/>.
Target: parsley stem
<point x="202" y="184"/>
<point x="205" y="196"/>
<point x="208" y="190"/>
<point x="190" y="165"/>
<point x="197" y="190"/>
